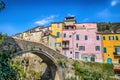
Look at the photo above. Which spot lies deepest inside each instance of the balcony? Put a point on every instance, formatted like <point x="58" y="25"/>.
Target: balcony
<point x="65" y="45"/>
<point x="69" y="27"/>
<point x="116" y="54"/>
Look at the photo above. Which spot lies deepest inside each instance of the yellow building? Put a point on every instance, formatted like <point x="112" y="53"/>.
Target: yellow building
<point x="111" y="47"/>
<point x="56" y="29"/>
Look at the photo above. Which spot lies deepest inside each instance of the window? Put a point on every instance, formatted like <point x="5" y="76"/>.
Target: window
<point x="97" y="48"/>
<point x="103" y="37"/>
<point x="70" y="36"/>
<point x="58" y="34"/>
<point x="76" y="55"/>
<point x="117" y="49"/>
<point x="76" y="45"/>
<point x="86" y="37"/>
<point x="119" y="61"/>
<point x="64" y="35"/>
<point x="77" y="37"/>
<point x="32" y="34"/>
<point x="57" y="44"/>
<point x="97" y="38"/>
<point x="70" y="52"/>
<point x="111" y="37"/>
<point x="105" y="49"/>
<point x="82" y="48"/>
<point x="65" y="53"/>
<point x="58" y="25"/>
<point x="117" y="38"/>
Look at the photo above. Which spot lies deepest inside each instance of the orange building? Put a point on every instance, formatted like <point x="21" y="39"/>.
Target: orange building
<point x="111" y="47"/>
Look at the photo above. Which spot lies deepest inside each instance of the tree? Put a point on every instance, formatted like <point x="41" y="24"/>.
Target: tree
<point x="2" y="5"/>
<point x="7" y="72"/>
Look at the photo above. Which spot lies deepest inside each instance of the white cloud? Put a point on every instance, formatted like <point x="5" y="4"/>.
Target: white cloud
<point x="114" y="2"/>
<point x="85" y="19"/>
<point x="70" y="15"/>
<point x="46" y="20"/>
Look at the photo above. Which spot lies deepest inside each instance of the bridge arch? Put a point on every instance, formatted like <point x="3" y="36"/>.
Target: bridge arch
<point x="47" y="58"/>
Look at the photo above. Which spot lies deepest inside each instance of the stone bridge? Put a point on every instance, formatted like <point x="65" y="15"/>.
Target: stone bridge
<point x="49" y="56"/>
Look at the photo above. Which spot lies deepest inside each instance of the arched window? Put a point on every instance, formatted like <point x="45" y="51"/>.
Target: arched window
<point x="85" y="58"/>
<point x="109" y="60"/>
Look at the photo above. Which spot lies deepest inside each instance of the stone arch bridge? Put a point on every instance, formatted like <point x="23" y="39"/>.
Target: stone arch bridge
<point x="49" y="56"/>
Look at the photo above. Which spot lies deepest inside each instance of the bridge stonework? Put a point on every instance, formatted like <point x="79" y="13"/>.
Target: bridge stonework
<point x="49" y="56"/>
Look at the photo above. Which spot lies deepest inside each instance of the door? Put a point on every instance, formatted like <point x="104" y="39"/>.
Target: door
<point x="76" y="55"/>
<point x="85" y="58"/>
<point x="93" y="58"/>
<point x="109" y="60"/>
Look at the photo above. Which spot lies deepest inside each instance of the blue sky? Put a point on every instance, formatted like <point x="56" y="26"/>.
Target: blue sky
<point x="20" y="15"/>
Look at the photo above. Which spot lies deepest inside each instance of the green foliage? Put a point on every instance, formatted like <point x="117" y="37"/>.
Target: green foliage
<point x="26" y="73"/>
<point x="93" y="71"/>
<point x="32" y="47"/>
<point x="61" y="63"/>
<point x="2" y="5"/>
<point x="3" y="37"/>
<point x="108" y="68"/>
<point x="108" y="27"/>
<point x="7" y="72"/>
<point x="20" y="71"/>
<point x="71" y="78"/>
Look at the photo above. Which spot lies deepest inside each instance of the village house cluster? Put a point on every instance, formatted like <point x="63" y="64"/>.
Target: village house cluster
<point x="80" y="41"/>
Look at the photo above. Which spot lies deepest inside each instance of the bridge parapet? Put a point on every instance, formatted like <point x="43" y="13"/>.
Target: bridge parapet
<point x="29" y="45"/>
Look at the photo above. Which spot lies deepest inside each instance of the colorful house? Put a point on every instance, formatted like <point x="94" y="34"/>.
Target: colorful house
<point x="82" y="42"/>
<point x="111" y="47"/>
<point x="56" y="29"/>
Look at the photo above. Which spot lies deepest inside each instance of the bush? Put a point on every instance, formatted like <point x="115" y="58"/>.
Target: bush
<point x="93" y="71"/>
<point x="7" y="72"/>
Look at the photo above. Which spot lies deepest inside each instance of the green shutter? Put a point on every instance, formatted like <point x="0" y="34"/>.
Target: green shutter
<point x="97" y="37"/>
<point x="103" y="37"/>
<point x="115" y="49"/>
<point x="105" y="50"/>
<point x="86" y="37"/>
<point x="116" y="37"/>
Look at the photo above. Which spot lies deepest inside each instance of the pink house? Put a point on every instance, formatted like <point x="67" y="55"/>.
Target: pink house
<point x="82" y="42"/>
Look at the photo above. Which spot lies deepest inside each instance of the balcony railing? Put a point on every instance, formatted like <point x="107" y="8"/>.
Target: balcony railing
<point x="116" y="53"/>
<point x="65" y="46"/>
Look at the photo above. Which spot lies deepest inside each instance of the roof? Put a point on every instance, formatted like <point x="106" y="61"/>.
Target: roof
<point x="69" y="17"/>
<point x="109" y="33"/>
<point x="87" y="25"/>
<point x="117" y="69"/>
<point x="57" y="22"/>
<point x="98" y="33"/>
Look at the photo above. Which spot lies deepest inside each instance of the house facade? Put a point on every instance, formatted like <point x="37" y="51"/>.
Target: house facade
<point x="111" y="47"/>
<point x="56" y="29"/>
<point x="52" y="41"/>
<point x="82" y="42"/>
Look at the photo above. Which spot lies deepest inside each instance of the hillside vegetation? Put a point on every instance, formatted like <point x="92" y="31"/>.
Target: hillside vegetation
<point x="109" y="27"/>
<point x="92" y="71"/>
